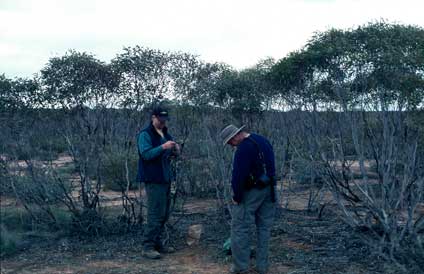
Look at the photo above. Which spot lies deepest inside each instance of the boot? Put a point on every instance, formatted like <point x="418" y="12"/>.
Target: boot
<point x="150" y="254"/>
<point x="166" y="249"/>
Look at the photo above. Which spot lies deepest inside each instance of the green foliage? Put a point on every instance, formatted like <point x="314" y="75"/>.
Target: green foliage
<point x="194" y="88"/>
<point x="77" y="79"/>
<point x="246" y="91"/>
<point x="16" y="223"/>
<point x="18" y="93"/>
<point x="19" y="220"/>
<point x="16" y="219"/>
<point x="5" y="186"/>
<point x="236" y="91"/>
<point x="8" y="242"/>
<point x="88" y="222"/>
<point x="377" y="63"/>
<point x="45" y="148"/>
<point x="114" y="172"/>
<point x="144" y="76"/>
<point x="39" y="189"/>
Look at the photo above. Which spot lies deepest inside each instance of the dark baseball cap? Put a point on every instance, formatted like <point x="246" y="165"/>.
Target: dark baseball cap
<point x="161" y="113"/>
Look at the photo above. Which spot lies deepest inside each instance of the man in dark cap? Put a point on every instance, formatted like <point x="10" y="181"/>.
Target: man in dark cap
<point x="156" y="148"/>
<point x="253" y="179"/>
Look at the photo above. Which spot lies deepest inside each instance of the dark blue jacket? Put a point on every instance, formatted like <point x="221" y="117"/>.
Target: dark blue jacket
<point x="154" y="161"/>
<point x="247" y="162"/>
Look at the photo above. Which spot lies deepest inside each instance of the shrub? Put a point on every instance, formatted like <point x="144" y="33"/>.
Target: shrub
<point x="114" y="173"/>
<point x="8" y="241"/>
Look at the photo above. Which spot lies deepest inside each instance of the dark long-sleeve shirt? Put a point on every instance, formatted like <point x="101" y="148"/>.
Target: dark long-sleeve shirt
<point x="247" y="162"/>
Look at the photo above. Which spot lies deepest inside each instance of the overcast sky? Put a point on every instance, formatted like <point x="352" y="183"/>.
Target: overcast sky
<point x="237" y="32"/>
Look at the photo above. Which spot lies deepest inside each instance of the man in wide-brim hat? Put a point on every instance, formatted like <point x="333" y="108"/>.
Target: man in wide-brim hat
<point x="252" y="183"/>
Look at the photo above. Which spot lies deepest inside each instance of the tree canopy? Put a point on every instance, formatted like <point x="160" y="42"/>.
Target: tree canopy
<point x="377" y="63"/>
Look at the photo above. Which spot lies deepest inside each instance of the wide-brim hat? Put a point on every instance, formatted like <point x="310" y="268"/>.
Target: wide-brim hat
<point x="229" y="132"/>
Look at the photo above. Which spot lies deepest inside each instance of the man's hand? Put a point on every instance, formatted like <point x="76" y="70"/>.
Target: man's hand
<point x="169" y="145"/>
<point x="234" y="202"/>
<point x="177" y="149"/>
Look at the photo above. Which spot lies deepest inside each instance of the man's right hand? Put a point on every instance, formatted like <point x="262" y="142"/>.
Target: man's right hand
<point x="169" y="145"/>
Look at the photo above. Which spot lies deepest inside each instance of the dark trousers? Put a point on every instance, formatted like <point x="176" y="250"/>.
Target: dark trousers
<point x="158" y="202"/>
